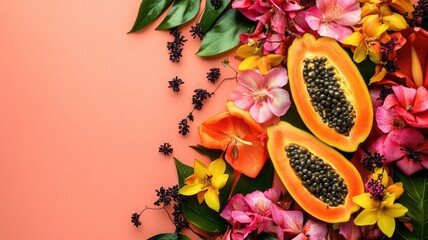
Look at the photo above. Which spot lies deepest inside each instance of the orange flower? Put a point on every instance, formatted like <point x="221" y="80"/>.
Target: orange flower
<point x="240" y="136"/>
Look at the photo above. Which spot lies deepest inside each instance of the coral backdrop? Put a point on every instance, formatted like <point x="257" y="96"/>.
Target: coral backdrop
<point x="83" y="109"/>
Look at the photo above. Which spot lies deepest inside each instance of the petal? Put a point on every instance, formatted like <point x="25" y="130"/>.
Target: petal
<point x="386" y="224"/>
<point x="241" y="217"/>
<point x="355" y="39"/>
<point x="249" y="63"/>
<point x="214" y="132"/>
<point x="212" y="200"/>
<point x="245" y="51"/>
<point x="420" y="104"/>
<point x="396" y="189"/>
<point x="395" y="210"/>
<point x="242" y="97"/>
<point x="200" y="169"/>
<point x="315" y="229"/>
<point x="220" y="181"/>
<point x="192" y="189"/>
<point x="366" y="217"/>
<point x="395" y="21"/>
<point x="245" y="116"/>
<point x="276" y="78"/>
<point x="289" y="221"/>
<point x="405" y="96"/>
<point x="252" y="79"/>
<point x="365" y="201"/>
<point x="313" y="17"/>
<point x="274" y="59"/>
<point x="386" y="118"/>
<point x="278" y="101"/>
<point x="409" y="167"/>
<point x="349" y="230"/>
<point x="360" y="53"/>
<point x="217" y="167"/>
<point x="261" y="112"/>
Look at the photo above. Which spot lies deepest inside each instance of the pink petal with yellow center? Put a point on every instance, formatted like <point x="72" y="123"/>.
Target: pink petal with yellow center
<point x="251" y="79"/>
<point x="276" y="78"/>
<point x="405" y="96"/>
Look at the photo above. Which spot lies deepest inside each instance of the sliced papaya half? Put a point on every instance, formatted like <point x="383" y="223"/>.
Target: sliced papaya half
<point x="318" y="177"/>
<point x="329" y="92"/>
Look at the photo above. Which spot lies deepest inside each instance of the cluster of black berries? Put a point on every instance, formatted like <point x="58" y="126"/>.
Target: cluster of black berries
<point x="175" y="84"/>
<point x="213" y="75"/>
<point x="176" y="46"/>
<point x="216" y="3"/>
<point x="420" y="15"/>
<point x="372" y="161"/>
<point x="199" y="97"/>
<point x="168" y="196"/>
<point x="196" y="31"/>
<point x="166" y="149"/>
<point x="183" y="127"/>
<point x="135" y="219"/>
<point x="384" y="92"/>
<point x="386" y="49"/>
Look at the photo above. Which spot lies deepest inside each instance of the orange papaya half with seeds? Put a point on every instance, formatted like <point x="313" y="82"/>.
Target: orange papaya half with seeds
<point x="317" y="176"/>
<point x="329" y="92"/>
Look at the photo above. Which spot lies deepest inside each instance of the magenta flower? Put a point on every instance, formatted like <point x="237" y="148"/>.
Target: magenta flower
<point x="313" y="230"/>
<point x="262" y="96"/>
<point x="332" y="18"/>
<point x="350" y="231"/>
<point x="388" y="120"/>
<point x="411" y="104"/>
<point x="408" y="147"/>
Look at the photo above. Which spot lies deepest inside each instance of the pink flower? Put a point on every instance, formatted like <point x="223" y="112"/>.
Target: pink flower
<point x="262" y="96"/>
<point x="408" y="147"/>
<point x="332" y="18"/>
<point x="350" y="231"/>
<point x="313" y="230"/>
<point x="411" y="104"/>
<point x="388" y="119"/>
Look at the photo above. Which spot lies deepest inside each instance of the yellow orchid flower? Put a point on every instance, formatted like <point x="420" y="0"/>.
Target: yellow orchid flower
<point x="206" y="182"/>
<point x="253" y="58"/>
<point x="366" y="40"/>
<point x="381" y="211"/>
<point x="395" y="21"/>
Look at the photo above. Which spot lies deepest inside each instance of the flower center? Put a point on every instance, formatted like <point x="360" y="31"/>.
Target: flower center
<point x="413" y="155"/>
<point x="409" y="108"/>
<point x="376" y="188"/>
<point x="259" y="95"/>
<point x="207" y="181"/>
<point x="333" y="12"/>
<point x="398" y="123"/>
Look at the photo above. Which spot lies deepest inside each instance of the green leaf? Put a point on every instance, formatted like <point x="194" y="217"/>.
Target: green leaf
<point x="213" y="154"/>
<point x="181" y="12"/>
<point x="415" y="198"/>
<point x="183" y="171"/>
<point x="211" y="14"/>
<point x="149" y="11"/>
<point x="366" y="67"/>
<point x="224" y="35"/>
<point x="262" y="182"/>
<point x="169" y="236"/>
<point x="201" y="215"/>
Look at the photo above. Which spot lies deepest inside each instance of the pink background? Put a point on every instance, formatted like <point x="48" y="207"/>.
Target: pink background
<point x="83" y="109"/>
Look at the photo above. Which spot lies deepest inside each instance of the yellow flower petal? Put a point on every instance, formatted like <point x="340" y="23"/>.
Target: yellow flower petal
<point x="263" y="65"/>
<point x="365" y="201"/>
<point x="378" y="77"/>
<point x="274" y="59"/>
<point x="360" y="53"/>
<point x="220" y="181"/>
<point x="249" y="63"/>
<point x="366" y="217"/>
<point x="403" y="6"/>
<point x="395" y="210"/>
<point x="212" y="200"/>
<point x="245" y="51"/>
<point x="355" y="39"/>
<point x="200" y="169"/>
<point x="191" y="189"/>
<point x="396" y="22"/>
<point x="386" y="224"/>
<point x="201" y="196"/>
<point x="396" y="189"/>
<point x="217" y="167"/>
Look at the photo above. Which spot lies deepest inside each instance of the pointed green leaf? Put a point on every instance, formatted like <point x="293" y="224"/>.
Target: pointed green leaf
<point x="169" y="236"/>
<point x="262" y="182"/>
<point x="181" y="12"/>
<point x="149" y="11"/>
<point x="201" y="215"/>
<point x="224" y="35"/>
<point x="213" y="154"/>
<point x="211" y="14"/>
<point x="415" y="198"/>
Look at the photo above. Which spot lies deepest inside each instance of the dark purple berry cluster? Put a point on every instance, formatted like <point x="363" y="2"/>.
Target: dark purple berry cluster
<point x="176" y="46"/>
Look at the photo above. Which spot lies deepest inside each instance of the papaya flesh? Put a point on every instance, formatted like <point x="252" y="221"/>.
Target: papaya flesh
<point x="307" y="190"/>
<point x="329" y="92"/>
